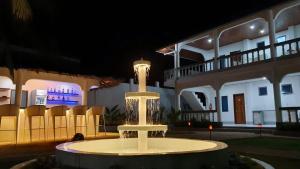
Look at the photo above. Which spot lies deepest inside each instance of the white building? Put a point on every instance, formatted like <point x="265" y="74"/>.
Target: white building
<point x="248" y="70"/>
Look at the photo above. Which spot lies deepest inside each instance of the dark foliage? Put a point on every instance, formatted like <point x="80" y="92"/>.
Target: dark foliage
<point x="78" y="137"/>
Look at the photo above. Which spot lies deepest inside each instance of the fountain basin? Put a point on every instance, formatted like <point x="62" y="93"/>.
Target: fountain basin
<point x="162" y="153"/>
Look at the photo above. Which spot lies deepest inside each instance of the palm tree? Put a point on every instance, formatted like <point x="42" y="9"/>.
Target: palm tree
<point x="21" y="10"/>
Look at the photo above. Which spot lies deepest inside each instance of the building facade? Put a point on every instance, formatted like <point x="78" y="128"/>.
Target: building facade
<point x="248" y="70"/>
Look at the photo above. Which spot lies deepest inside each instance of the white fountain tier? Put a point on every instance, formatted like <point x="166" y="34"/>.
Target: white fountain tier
<point x="139" y="95"/>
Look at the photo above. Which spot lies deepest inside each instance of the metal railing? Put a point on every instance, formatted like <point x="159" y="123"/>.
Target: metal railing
<point x="199" y="115"/>
<point x="257" y="55"/>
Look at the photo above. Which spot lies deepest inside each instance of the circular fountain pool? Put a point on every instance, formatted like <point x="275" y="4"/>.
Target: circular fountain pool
<point x="162" y="153"/>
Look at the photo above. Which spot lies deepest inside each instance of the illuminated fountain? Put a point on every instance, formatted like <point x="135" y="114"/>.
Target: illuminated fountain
<point x="140" y="101"/>
<point x="142" y="152"/>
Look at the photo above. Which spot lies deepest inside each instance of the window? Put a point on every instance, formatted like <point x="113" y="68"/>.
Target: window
<point x="262" y="91"/>
<point x="281" y="39"/>
<point x="260" y="44"/>
<point x="224" y="104"/>
<point x="287" y="89"/>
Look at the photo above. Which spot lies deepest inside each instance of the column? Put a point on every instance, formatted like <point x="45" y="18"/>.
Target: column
<point x="176" y="61"/>
<point x="157" y="84"/>
<point x="177" y="102"/>
<point x="218" y="105"/>
<point x="216" y="50"/>
<point x="131" y="85"/>
<point x="84" y="94"/>
<point x="18" y="94"/>
<point x="277" y="100"/>
<point x="271" y="26"/>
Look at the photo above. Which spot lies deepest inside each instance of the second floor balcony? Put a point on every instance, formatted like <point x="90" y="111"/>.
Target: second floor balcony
<point x="284" y="50"/>
<point x="267" y="36"/>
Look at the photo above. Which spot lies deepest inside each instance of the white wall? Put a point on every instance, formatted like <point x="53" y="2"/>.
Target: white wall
<point x="110" y="97"/>
<point x="6" y="83"/>
<point x="254" y="102"/>
<point x="34" y="84"/>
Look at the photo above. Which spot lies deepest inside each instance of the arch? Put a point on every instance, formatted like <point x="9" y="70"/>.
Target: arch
<point x="6" y="72"/>
<point x="284" y="9"/>
<point x="6" y="82"/>
<point x="237" y="25"/>
<point x="245" y="81"/>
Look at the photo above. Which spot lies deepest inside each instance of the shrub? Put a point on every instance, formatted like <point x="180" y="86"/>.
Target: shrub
<point x="113" y="116"/>
<point x="78" y="137"/>
<point x="288" y="126"/>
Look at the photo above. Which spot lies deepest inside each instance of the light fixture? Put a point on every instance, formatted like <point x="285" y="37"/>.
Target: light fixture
<point x="262" y="31"/>
<point x="252" y="27"/>
<point x="264" y="78"/>
<point x="209" y="40"/>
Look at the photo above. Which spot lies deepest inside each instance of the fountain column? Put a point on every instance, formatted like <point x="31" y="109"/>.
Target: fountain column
<point x="141" y="68"/>
<point x="142" y="135"/>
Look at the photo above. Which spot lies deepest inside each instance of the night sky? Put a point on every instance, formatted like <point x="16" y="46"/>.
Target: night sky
<point x="105" y="38"/>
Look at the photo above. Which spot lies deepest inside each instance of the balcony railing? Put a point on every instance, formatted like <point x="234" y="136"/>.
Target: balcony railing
<point x="190" y="70"/>
<point x="257" y="55"/>
<point x="245" y="57"/>
<point x="288" y="48"/>
<point x="208" y="115"/>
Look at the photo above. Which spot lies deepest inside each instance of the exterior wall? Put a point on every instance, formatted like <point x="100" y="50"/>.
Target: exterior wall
<point x="254" y="102"/>
<point x="110" y="97"/>
<point x="34" y="84"/>
<point x="6" y="83"/>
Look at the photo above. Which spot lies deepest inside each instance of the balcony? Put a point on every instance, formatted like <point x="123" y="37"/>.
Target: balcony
<point x="237" y="60"/>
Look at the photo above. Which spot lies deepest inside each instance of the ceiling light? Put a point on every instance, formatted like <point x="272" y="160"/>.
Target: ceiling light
<point x="209" y="40"/>
<point x="252" y="27"/>
<point x="264" y="78"/>
<point x="262" y="31"/>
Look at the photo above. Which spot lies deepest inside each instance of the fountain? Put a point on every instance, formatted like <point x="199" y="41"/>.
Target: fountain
<point x="141" y="68"/>
<point x="142" y="152"/>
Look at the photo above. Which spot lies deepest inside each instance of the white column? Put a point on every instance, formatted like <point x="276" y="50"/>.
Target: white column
<point x="277" y="100"/>
<point x="157" y="84"/>
<point x="271" y="25"/>
<point x="216" y="50"/>
<point x="177" y="102"/>
<point x="131" y="84"/>
<point x="84" y="94"/>
<point x="218" y="104"/>
<point x="176" y="60"/>
<point x="18" y="94"/>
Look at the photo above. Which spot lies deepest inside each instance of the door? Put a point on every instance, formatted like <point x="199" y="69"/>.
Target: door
<point x="239" y="108"/>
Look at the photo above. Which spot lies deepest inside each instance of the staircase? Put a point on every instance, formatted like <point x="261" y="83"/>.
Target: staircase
<point x="192" y="99"/>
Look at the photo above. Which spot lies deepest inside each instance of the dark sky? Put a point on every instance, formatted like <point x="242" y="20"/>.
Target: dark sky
<point x="107" y="37"/>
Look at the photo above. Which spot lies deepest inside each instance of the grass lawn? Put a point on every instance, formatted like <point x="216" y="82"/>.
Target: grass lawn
<point x="281" y="153"/>
<point x="268" y="142"/>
